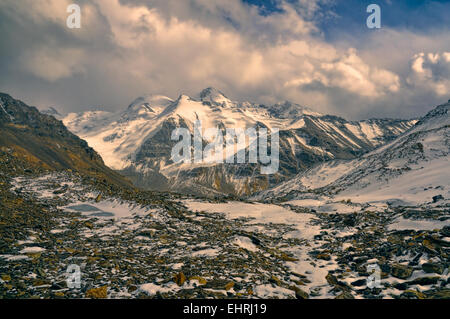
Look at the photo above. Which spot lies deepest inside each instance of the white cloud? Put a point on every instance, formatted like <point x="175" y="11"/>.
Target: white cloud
<point x="127" y="48"/>
<point x="431" y="71"/>
<point x="54" y="64"/>
<point x="201" y="54"/>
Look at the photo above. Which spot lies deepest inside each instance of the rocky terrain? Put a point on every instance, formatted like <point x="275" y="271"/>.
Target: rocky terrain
<point x="132" y="244"/>
<point x="325" y="242"/>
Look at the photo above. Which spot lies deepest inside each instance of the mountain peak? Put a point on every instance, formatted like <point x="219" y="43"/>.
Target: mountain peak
<point x="436" y="117"/>
<point x="149" y="103"/>
<point x="213" y="95"/>
<point x="288" y="109"/>
<point x="184" y="97"/>
<point x="52" y="111"/>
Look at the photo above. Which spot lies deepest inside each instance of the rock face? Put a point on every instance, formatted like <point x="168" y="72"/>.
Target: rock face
<point x="44" y="141"/>
<point x="137" y="142"/>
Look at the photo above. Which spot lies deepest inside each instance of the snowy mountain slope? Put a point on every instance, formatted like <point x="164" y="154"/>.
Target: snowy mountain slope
<point x="412" y="168"/>
<point x="53" y="112"/>
<point x="137" y="141"/>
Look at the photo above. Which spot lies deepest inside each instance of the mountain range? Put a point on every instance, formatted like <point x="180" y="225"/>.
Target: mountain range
<point x="137" y="140"/>
<point x="411" y="169"/>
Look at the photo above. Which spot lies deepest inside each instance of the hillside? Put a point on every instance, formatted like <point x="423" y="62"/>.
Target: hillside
<point x="43" y="142"/>
<point x="412" y="168"/>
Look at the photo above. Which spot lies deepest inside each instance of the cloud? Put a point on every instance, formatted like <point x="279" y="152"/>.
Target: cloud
<point x="131" y="47"/>
<point x="431" y="71"/>
<point x="351" y="73"/>
<point x="53" y="64"/>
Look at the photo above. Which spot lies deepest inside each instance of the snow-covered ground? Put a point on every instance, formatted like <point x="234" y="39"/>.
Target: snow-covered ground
<point x="300" y="228"/>
<point x="106" y="208"/>
<point x="236" y="248"/>
<point x="418" y="225"/>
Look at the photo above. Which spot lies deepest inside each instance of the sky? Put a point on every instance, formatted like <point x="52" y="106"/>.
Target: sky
<point x="317" y="53"/>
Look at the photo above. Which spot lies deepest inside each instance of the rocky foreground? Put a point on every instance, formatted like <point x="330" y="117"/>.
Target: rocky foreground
<point x="133" y="244"/>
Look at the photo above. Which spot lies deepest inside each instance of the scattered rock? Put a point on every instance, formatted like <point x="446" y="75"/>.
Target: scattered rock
<point x="401" y="271"/>
<point x="433" y="268"/>
<point x="275" y="280"/>
<point x="412" y="294"/>
<point x="437" y="198"/>
<point x="331" y="279"/>
<point x="345" y="295"/>
<point x="439" y="294"/>
<point x="324" y="256"/>
<point x="359" y="283"/>
<point x="97" y="293"/>
<point x="401" y="286"/>
<point x="229" y="285"/>
<point x="424" y="281"/>
<point x="179" y="279"/>
<point x="201" y="280"/>
<point x="299" y="293"/>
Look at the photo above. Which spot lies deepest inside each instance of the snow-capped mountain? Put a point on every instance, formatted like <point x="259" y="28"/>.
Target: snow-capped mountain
<point x="413" y="168"/>
<point x="53" y="112"/>
<point x="137" y="141"/>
